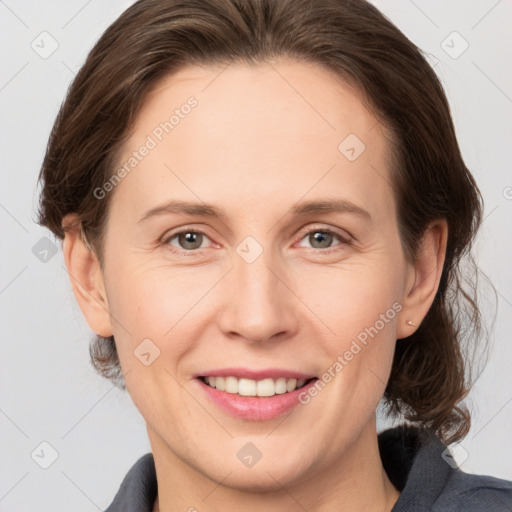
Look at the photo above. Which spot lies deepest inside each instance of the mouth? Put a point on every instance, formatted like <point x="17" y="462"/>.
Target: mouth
<point x="256" y="388"/>
<point x="255" y="399"/>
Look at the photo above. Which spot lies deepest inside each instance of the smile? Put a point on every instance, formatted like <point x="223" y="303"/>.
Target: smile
<point x="250" y="387"/>
<point x="263" y="397"/>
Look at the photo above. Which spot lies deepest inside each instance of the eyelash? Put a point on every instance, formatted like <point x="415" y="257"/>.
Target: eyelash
<point x="344" y="240"/>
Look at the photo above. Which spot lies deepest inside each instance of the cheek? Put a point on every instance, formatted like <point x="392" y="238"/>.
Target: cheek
<point x="150" y="303"/>
<point x="152" y="333"/>
<point x="360" y="305"/>
<point x="169" y="306"/>
<point x="352" y="298"/>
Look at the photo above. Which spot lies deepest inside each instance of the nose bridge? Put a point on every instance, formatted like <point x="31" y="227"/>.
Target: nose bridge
<point x="258" y="305"/>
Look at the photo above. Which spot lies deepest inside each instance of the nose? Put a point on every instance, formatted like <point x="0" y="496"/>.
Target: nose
<point x="257" y="304"/>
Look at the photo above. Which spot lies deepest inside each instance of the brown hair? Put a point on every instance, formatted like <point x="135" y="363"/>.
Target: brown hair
<point x="353" y="39"/>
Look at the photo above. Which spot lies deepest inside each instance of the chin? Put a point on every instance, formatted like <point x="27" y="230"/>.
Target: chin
<point x="264" y="476"/>
<point x="264" y="480"/>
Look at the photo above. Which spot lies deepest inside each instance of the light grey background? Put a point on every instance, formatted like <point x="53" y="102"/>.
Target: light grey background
<point x="49" y="392"/>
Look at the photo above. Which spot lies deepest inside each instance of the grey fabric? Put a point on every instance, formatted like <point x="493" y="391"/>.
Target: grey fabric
<point x="418" y="464"/>
<point x="138" y="489"/>
<point x="415" y="461"/>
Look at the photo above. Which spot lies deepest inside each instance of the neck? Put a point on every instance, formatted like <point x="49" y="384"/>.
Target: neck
<point x="357" y="481"/>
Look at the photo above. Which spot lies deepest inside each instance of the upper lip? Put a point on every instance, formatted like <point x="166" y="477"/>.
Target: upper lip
<point x="269" y="373"/>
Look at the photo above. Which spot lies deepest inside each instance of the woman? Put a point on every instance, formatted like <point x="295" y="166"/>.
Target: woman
<point x="264" y="208"/>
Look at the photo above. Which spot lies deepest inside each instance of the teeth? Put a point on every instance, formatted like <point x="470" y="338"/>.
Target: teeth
<point x="249" y="387"/>
<point x="231" y="385"/>
<point x="280" y="386"/>
<point x="220" y="383"/>
<point x="265" y="387"/>
<point x="291" y="384"/>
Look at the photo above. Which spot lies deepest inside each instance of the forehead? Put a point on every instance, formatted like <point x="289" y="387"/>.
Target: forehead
<point x="259" y="130"/>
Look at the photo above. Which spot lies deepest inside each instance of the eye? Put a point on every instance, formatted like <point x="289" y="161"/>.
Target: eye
<point x="323" y="238"/>
<point x="188" y="240"/>
<point x="191" y="240"/>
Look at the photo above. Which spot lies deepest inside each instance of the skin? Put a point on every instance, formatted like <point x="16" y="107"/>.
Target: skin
<point x="261" y="139"/>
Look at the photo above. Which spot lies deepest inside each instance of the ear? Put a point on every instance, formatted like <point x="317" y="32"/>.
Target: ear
<point x="423" y="278"/>
<point x="86" y="277"/>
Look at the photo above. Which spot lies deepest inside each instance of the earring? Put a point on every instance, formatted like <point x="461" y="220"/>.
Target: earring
<point x="409" y="322"/>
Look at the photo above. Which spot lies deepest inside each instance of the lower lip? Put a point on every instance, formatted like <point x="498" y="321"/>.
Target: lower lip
<point x="255" y="408"/>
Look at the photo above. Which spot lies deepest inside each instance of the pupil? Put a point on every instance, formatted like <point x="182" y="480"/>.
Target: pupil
<point x="191" y="238"/>
<point x="321" y="237"/>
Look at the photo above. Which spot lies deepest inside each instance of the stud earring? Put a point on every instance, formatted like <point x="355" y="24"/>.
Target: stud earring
<point x="409" y="322"/>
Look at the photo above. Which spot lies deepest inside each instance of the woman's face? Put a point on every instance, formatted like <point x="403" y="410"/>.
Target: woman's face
<point x="263" y="286"/>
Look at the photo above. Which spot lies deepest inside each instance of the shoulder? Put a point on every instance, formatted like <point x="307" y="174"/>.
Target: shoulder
<point x="421" y="467"/>
<point x="467" y="492"/>
<point x="138" y="489"/>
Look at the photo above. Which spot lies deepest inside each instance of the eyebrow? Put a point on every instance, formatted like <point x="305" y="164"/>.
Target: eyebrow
<point x="299" y="209"/>
<point x="201" y="209"/>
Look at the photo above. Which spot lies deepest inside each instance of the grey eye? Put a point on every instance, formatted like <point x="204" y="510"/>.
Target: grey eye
<point x="187" y="240"/>
<point x="323" y="238"/>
